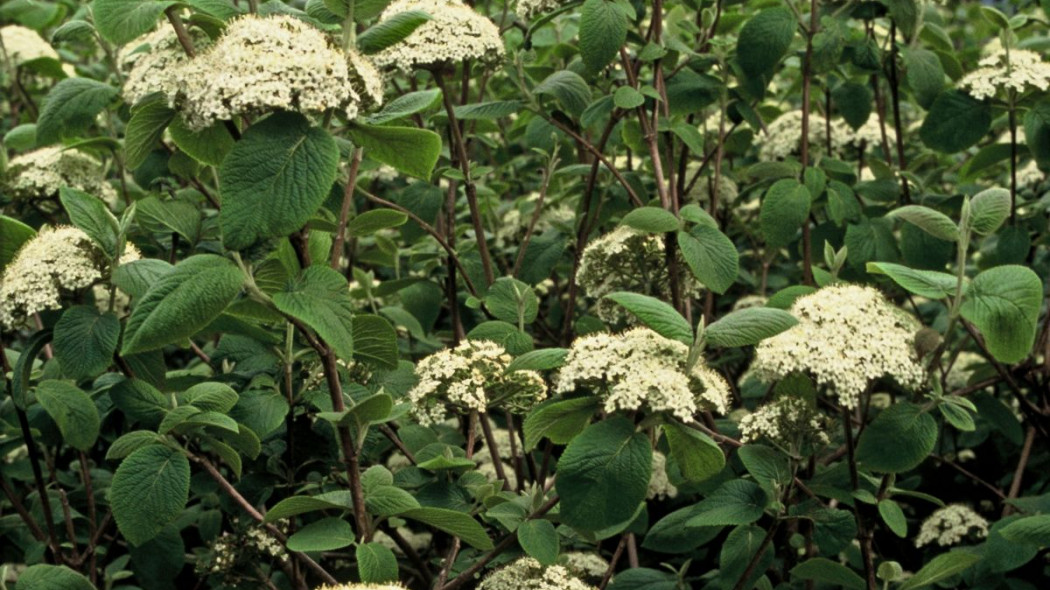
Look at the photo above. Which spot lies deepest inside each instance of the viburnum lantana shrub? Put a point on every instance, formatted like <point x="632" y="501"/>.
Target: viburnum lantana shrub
<point x="524" y="294"/>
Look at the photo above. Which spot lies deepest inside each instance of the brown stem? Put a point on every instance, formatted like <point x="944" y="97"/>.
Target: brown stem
<point x="807" y="75"/>
<point x="863" y="533"/>
<point x="38" y="477"/>
<point x="180" y="31"/>
<point x="344" y="211"/>
<point x="895" y="100"/>
<point x="27" y="518"/>
<point x="1022" y="463"/>
<point x="751" y="565"/>
<point x="497" y="462"/>
<point x="615" y="559"/>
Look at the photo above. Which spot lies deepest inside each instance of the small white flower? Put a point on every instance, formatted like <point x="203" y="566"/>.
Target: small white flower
<point x="1017" y="70"/>
<point x="951" y="525"/>
<point x="151" y="63"/>
<point x="660" y="486"/>
<point x="527" y="9"/>
<point x="789" y="422"/>
<point x="784" y="136"/>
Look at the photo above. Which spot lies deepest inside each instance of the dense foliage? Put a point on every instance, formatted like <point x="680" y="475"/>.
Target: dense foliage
<point x="554" y="295"/>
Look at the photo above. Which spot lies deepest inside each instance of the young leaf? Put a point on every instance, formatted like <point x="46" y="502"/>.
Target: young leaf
<point x="931" y="221"/>
<point x="544" y="359"/>
<point x="1004" y="303"/>
<point x="149" y="490"/>
<point x="406" y="105"/>
<point x="321" y="299"/>
<point x="988" y="210"/>
<point x="698" y="457"/>
<point x="955" y="122"/>
<point x="208" y="146"/>
<point x="375" y="340"/>
<point x="376" y="563"/>
<point x="512" y="301"/>
<point x="939" y="568"/>
<point x="148" y="121"/>
<point x="661" y="317"/>
<point x="375" y="220"/>
<point x="893" y="516"/>
<point x="90" y="214"/>
<point x="410" y="150"/>
<point x="327" y="534"/>
<point x="73" y="411"/>
<point x="925" y="283"/>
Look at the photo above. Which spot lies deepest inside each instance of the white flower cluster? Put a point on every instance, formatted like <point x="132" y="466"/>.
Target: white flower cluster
<point x="454" y="33"/>
<point x="641" y="368"/>
<point x="151" y="62"/>
<point x="951" y="525"/>
<point x="23" y="44"/>
<point x="363" y="587"/>
<point x="417" y="541"/>
<point x="588" y="566"/>
<point x="263" y="64"/>
<point x="40" y="173"/>
<point x="870" y="134"/>
<point x="789" y="422"/>
<point x="847" y="336"/>
<point x="528" y="574"/>
<point x="628" y="260"/>
<point x="1017" y="70"/>
<point x="727" y="191"/>
<point x="1029" y="175"/>
<point x="784" y="136"/>
<point x="471" y="377"/>
<point x="58" y="260"/>
<point x="660" y="485"/>
<point x="529" y="8"/>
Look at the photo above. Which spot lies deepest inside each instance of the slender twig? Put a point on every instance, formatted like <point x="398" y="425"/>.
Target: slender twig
<point x="863" y="533"/>
<point x="344" y="211"/>
<point x="1022" y="463"/>
<point x="180" y="30"/>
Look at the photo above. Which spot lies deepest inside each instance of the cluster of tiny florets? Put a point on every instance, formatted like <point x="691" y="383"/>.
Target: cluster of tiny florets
<point x="846" y="337"/>
<point x="639" y="368"/>
<point x="783" y="138"/>
<point x="23" y="44"/>
<point x="528" y="574"/>
<point x="471" y="377"/>
<point x="628" y="260"/>
<point x="529" y="8"/>
<point x="583" y="565"/>
<point x="263" y="64"/>
<point x="1017" y="70"/>
<point x="246" y="546"/>
<point x="951" y="525"/>
<point x="362" y="587"/>
<point x="660" y="485"/>
<point x="56" y="261"/>
<point x="789" y="422"/>
<point x="151" y="63"/>
<point x="39" y="174"/>
<point x="454" y="33"/>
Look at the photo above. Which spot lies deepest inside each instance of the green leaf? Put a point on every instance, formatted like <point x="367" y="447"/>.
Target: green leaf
<point x="1029" y="530"/>
<point x="375" y="340"/>
<point x="661" y="317"/>
<point x="544" y="359"/>
<point x="131" y="442"/>
<point x="784" y="210"/>
<point x="388" y="500"/>
<point x="488" y="111"/>
<point x="539" y="540"/>
<point x="71" y="107"/>
<point x="603" y="31"/>
<point x="931" y="221"/>
<point x="558" y="420"/>
<point x="148" y="121"/>
<point x="764" y="40"/>
<point x="210" y="396"/>
<point x="149" y="490"/>
<point x="140" y="401"/>
<point x="52" y="577"/>
<point x="749" y="326"/>
<point x="453" y="522"/>
<point x="768" y="466"/>
<point x="136" y="277"/>
<point x="698" y="457"/>
<point x="321" y="299"/>
<point x="955" y="122"/>
<point x="90" y="214"/>
<point x="1004" y="303"/>
<point x="925" y="283"/>
<point x="13" y="234"/>
<point x="24" y="367"/>
<point x="375" y="563"/>
<point x="121" y="21"/>
<point x="391" y="31"/>
<point x="295" y="505"/>
<point x="375" y="220"/>
<point x="822" y="569"/>
<point x="603" y="475"/>
<point x="924" y="74"/>
<point x="854" y="101"/>
<point x="626" y="97"/>
<point x="327" y="534"/>
<point x="208" y="146"/>
<point x="711" y="255"/>
<point x="73" y="411"/>
<point x="988" y="210"/>
<point x="940" y="568"/>
<point x="406" y="105"/>
<point x="85" y="340"/>
<point x="735" y="502"/>
<point x="569" y="88"/>
<point x="275" y="178"/>
<point x="410" y="150"/>
<point x="182" y="302"/>
<point x="512" y="301"/>
<point x="898" y="439"/>
<point x="893" y="516"/>
<point x="653" y="220"/>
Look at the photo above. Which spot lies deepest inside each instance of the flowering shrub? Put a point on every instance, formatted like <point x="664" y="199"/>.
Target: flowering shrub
<point x="524" y="294"/>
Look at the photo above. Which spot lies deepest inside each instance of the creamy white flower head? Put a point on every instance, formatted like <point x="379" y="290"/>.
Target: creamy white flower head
<point x="454" y="33"/>
<point x="640" y="368"/>
<point x="56" y="261"/>
<point x="262" y="64"/>
<point x="1029" y="175"/>
<point x="870" y="134"/>
<point x="749" y="301"/>
<point x="23" y="44"/>
<point x="362" y="587"/>
<point x="528" y="574"/>
<point x="951" y="525"/>
<point x="471" y="377"/>
<point x="588" y="566"/>
<point x="39" y="174"/>
<point x="1018" y="70"/>
<point x="789" y="422"/>
<point x="784" y="136"/>
<point x="529" y="8"/>
<point x="660" y="486"/>
<point x="846" y="337"/>
<point x="628" y="260"/>
<point x="151" y="63"/>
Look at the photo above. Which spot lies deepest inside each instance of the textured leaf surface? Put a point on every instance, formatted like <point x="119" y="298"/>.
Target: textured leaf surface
<point x="539" y="540"/>
<point x="603" y="30"/>
<point x="148" y="121"/>
<point x="745" y="327"/>
<point x="85" y="340"/>
<point x="150" y="489"/>
<point x="898" y="439"/>
<point x="327" y="534"/>
<point x="410" y="150"/>
<point x="765" y="39"/>
<point x="661" y="317"/>
<point x="73" y="411"/>
<point x="457" y="524"/>
<point x="712" y="257"/>
<point x="955" y="122"/>
<point x="375" y="563"/>
<point x="71" y="107"/>
<point x="52" y="577"/>
<point x="121" y="21"/>
<point x="698" y="457"/>
<point x="1004" y="302"/>
<point x="784" y="210"/>
<point x="735" y="502"/>
<point x="321" y="299"/>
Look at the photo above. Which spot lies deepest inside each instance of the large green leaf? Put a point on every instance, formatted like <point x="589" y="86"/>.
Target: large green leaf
<point x="71" y="107"/>
<point x="925" y="283"/>
<point x="603" y="31"/>
<point x="275" y="178"/>
<point x="321" y="299"/>
<point x="989" y="209"/>
<point x="1004" y="303"/>
<point x="569" y="88"/>
<point x="748" y="326"/>
<point x="140" y="401"/>
<point x="558" y="420"/>
<point x="765" y="39"/>
<point x="822" y="569"/>
<point x="711" y="255"/>
<point x="955" y="122"/>
<point x="208" y="146"/>
<point x="375" y="340"/>
<point x="149" y="490"/>
<point x="453" y="522"/>
<point x="784" y="210"/>
<point x="148" y="121"/>
<point x="925" y="75"/>
<point x="295" y="505"/>
<point x="85" y="340"/>
<point x="13" y="234"/>
<point x="898" y="439"/>
<point x="939" y="568"/>
<point x="407" y="105"/>
<point x="182" y="302"/>
<point x="73" y="411"/>
<point x="513" y="301"/>
<point x="327" y="534"/>
<point x="539" y="540"/>
<point x="375" y="563"/>
<point x="52" y="577"/>
<point x="410" y="150"/>
<point x="698" y="457"/>
<point x="121" y="21"/>
<point x="90" y="214"/>
<point x="736" y="502"/>
<point x="933" y="222"/>
<point x="603" y="475"/>
<point x="1030" y="530"/>
<point x="391" y="31"/>
<point x="661" y="317"/>
<point x="651" y="219"/>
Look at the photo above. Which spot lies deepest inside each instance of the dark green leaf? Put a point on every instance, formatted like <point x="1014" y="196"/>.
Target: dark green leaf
<point x="73" y="411"/>
<point x="410" y="150"/>
<point x="71" y="107"/>
<point x="748" y="326"/>
<point x="898" y="440"/>
<point x="85" y="340"/>
<point x="149" y="490"/>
